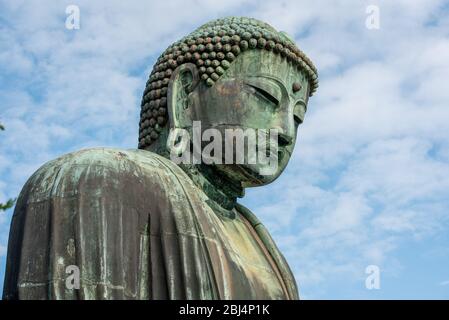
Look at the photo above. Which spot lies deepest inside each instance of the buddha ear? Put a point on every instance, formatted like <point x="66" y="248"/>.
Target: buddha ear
<point x="182" y="82"/>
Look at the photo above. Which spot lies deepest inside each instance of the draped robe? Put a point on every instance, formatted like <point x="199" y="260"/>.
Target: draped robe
<point x="136" y="227"/>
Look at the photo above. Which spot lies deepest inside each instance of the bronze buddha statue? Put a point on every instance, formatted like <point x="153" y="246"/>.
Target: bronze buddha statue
<point x="140" y="226"/>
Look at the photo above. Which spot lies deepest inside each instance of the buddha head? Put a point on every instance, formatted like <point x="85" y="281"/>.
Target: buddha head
<point x="232" y="75"/>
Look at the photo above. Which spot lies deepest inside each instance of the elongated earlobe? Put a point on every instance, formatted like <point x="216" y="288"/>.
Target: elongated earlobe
<point x="182" y="82"/>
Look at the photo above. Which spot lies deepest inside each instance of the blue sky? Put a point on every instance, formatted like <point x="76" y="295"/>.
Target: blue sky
<point x="369" y="180"/>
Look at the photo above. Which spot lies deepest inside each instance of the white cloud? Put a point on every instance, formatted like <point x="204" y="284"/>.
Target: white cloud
<point x="444" y="283"/>
<point x="373" y="145"/>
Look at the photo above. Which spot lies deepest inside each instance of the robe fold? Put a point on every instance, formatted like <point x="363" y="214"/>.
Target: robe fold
<point x="136" y="227"/>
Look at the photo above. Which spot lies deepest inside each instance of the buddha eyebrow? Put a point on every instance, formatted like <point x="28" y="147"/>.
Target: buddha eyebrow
<point x="271" y="81"/>
<point x="301" y="101"/>
<point x="265" y="94"/>
<point x="271" y="78"/>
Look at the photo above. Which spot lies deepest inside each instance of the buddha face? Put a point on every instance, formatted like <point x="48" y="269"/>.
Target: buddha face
<point x="260" y="91"/>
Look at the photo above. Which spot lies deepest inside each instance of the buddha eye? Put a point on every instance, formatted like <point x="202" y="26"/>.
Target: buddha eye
<point x="262" y="93"/>
<point x="298" y="112"/>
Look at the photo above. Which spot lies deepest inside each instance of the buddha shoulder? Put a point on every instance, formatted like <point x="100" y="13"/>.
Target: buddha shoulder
<point x="101" y="170"/>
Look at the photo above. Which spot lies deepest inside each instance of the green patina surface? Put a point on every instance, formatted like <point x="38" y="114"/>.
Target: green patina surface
<point x="139" y="226"/>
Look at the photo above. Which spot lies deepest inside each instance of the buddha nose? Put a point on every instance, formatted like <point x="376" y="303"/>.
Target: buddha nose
<point x="285" y="140"/>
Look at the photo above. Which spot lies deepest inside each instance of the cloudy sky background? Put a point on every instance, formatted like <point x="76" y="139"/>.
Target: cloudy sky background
<point x="369" y="180"/>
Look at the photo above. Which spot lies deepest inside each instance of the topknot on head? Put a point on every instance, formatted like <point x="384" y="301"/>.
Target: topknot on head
<point x="212" y="48"/>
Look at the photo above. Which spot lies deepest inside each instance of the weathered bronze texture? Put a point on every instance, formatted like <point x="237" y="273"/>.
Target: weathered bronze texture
<point x="139" y="226"/>
<point x="213" y="47"/>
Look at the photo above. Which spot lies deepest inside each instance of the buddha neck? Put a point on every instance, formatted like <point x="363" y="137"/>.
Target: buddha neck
<point x="218" y="187"/>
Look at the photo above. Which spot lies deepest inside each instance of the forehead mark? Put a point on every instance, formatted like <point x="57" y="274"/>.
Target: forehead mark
<point x="296" y="86"/>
